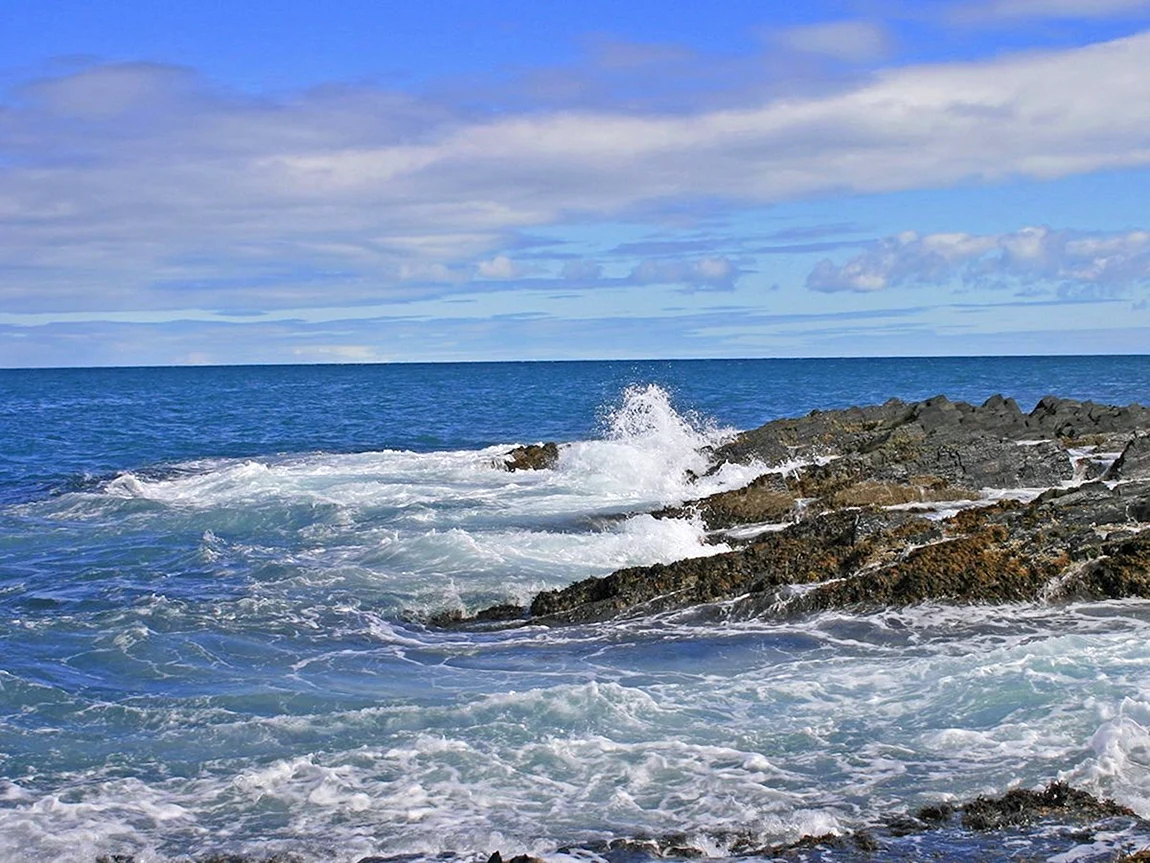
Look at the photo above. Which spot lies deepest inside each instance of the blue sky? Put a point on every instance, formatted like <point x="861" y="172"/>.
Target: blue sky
<point x="460" y="180"/>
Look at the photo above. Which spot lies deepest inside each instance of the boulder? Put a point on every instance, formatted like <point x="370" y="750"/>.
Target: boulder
<point x="1134" y="462"/>
<point x="535" y="456"/>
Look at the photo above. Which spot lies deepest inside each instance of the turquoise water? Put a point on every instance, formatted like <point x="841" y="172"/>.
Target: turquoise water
<point x="211" y="581"/>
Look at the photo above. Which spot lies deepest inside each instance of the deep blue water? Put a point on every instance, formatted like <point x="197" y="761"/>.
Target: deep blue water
<point x="211" y="581"/>
<point x="62" y="425"/>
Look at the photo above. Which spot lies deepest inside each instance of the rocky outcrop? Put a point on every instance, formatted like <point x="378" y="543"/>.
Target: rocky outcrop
<point x="888" y="506"/>
<point x="1088" y="543"/>
<point x="1133" y="462"/>
<point x="1023" y="807"/>
<point x="812" y="489"/>
<point x="993" y="445"/>
<point x="535" y="456"/>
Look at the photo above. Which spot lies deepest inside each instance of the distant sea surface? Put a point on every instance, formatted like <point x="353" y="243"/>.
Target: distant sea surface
<point x="212" y="582"/>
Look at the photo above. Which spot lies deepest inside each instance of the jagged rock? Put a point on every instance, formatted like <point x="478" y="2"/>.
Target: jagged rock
<point x="452" y="618"/>
<point x="518" y="858"/>
<point x="532" y="457"/>
<point x="832" y="546"/>
<point x="1020" y="807"/>
<point x="1086" y="543"/>
<point x="994" y="445"/>
<point x="841" y="547"/>
<point x="844" y="482"/>
<point x="765" y="499"/>
<point x="1134" y="462"/>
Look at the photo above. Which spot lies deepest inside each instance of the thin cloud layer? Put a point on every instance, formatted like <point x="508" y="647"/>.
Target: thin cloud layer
<point x="1077" y="263"/>
<point x="850" y="41"/>
<point x="1014" y="10"/>
<point x="142" y="187"/>
<point x="719" y="273"/>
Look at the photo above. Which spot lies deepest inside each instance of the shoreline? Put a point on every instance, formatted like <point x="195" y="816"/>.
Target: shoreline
<point x="892" y="505"/>
<point x="1057" y="819"/>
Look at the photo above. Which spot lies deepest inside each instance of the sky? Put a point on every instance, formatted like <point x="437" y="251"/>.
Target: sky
<point x="456" y="180"/>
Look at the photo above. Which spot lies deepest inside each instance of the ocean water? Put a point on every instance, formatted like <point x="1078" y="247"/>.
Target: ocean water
<point x="212" y="582"/>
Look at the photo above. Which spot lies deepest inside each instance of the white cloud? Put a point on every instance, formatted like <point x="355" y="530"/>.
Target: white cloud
<point x="851" y="41"/>
<point x="165" y="193"/>
<point x="1020" y="9"/>
<point x="1072" y="261"/>
<point x="499" y="267"/>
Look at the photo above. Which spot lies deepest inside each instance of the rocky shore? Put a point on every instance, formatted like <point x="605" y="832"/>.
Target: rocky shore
<point x="897" y="504"/>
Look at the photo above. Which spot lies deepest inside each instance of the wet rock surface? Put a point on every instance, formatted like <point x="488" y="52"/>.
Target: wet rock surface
<point x="535" y="456"/>
<point x="891" y="505"/>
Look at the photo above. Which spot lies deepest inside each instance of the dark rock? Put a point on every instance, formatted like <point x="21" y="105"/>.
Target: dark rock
<point x="1021" y="807"/>
<point x="842" y="546"/>
<point x="1054" y="549"/>
<point x="844" y="482"/>
<point x="518" y="858"/>
<point x="1121" y="570"/>
<point x="532" y="457"/>
<point x="448" y="619"/>
<point x="805" y="552"/>
<point x="936" y="815"/>
<point x="765" y="499"/>
<point x="501" y="612"/>
<point x="968" y="446"/>
<point x="497" y="614"/>
<point x="1134" y="462"/>
<point x="672" y="845"/>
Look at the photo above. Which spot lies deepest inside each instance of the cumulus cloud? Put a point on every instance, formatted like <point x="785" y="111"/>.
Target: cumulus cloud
<point x="499" y="267"/>
<point x="136" y="186"/>
<point x="1077" y="263"/>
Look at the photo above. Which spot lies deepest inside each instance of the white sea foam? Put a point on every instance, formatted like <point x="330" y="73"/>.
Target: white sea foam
<point x="443" y="529"/>
<point x="755" y="726"/>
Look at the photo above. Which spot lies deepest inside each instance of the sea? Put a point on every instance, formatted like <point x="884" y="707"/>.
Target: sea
<point x="215" y="584"/>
